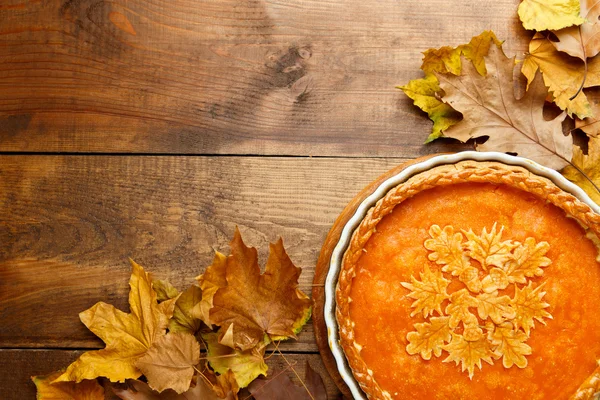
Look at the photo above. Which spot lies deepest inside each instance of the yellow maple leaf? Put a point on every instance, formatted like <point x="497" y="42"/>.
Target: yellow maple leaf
<point x="469" y="354"/>
<point x="169" y="362"/>
<point x="562" y="74"/>
<point x="426" y="92"/>
<point x="458" y="309"/>
<point x="470" y="277"/>
<point x="496" y="279"/>
<point x="127" y="336"/>
<point x="429" y="293"/>
<point x="497" y="308"/>
<point x="245" y="365"/>
<point x="528" y="306"/>
<point x="429" y="337"/>
<point x="252" y="305"/>
<point x="85" y="390"/>
<point x="549" y="14"/>
<point x="510" y="345"/>
<point x="590" y="164"/>
<point x="582" y="41"/>
<point x="446" y="247"/>
<point x="488" y="248"/>
<point x="528" y="260"/>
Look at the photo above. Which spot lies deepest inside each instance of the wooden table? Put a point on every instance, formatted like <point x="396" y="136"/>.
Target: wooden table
<point x="151" y="128"/>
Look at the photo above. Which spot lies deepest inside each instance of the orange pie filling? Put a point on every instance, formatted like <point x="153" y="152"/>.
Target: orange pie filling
<point x="477" y="290"/>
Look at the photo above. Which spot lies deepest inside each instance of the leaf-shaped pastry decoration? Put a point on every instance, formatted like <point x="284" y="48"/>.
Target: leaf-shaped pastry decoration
<point x="528" y="261"/>
<point x="549" y="14"/>
<point x="446" y="249"/>
<point x="469" y="354"/>
<point x="510" y="345"/>
<point x="512" y="125"/>
<point x="458" y="309"/>
<point x="497" y="308"/>
<point x="468" y="311"/>
<point x="429" y="293"/>
<point x="529" y="306"/>
<point x="488" y="248"/>
<point x="429" y="337"/>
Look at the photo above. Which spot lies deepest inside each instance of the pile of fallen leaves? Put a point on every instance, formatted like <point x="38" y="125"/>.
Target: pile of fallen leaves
<point x="469" y="91"/>
<point x="207" y="342"/>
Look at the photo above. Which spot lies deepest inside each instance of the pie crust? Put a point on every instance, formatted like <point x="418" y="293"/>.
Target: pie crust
<point x="466" y="172"/>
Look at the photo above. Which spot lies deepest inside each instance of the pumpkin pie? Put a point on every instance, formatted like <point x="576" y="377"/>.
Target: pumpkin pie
<point x="476" y="280"/>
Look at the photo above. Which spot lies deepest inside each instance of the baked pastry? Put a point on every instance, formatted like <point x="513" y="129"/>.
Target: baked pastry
<point x="473" y="280"/>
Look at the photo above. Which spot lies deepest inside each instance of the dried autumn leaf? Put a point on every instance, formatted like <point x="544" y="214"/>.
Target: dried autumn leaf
<point x="512" y="125"/>
<point x="183" y="320"/>
<point x="127" y="336"/>
<point x="280" y="387"/>
<point x="85" y="390"/>
<point x="429" y="293"/>
<point x="510" y="345"/>
<point x="138" y="390"/>
<point x="549" y="14"/>
<point x="488" y="248"/>
<point x="426" y="92"/>
<point x="528" y="260"/>
<point x="447" y="249"/>
<point x="212" y="280"/>
<point x="170" y="361"/>
<point x="582" y="41"/>
<point x="497" y="308"/>
<point x="562" y="74"/>
<point x="469" y="354"/>
<point x="591" y="125"/>
<point x="590" y="164"/>
<point x="528" y="306"/>
<point x="458" y="309"/>
<point x="258" y="305"/>
<point x="429" y="337"/>
<point x="245" y="365"/>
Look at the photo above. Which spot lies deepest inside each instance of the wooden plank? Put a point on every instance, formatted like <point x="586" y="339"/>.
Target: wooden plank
<point x="22" y="364"/>
<point x="69" y="223"/>
<point x="277" y="77"/>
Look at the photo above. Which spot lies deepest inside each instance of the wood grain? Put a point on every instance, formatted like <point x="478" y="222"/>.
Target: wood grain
<point x="275" y="77"/>
<point x="69" y="223"/>
<point x="23" y="364"/>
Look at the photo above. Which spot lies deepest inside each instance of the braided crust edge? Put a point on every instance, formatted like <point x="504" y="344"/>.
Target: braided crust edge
<point x="462" y="172"/>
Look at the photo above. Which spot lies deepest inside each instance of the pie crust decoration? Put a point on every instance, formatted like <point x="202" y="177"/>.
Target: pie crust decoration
<point x="469" y="280"/>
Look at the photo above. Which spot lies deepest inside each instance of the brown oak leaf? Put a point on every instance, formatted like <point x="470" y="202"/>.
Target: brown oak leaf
<point x="429" y="293"/>
<point x="127" y="336"/>
<point x="429" y="337"/>
<point x="513" y="125"/>
<point x="84" y="390"/>
<point x="252" y="304"/>
<point x="169" y="363"/>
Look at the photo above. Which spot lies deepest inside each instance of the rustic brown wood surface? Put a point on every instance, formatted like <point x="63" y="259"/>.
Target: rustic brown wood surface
<point x="151" y="128"/>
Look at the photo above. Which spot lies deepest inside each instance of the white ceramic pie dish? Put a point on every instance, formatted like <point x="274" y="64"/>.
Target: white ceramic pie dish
<point x="354" y="221"/>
